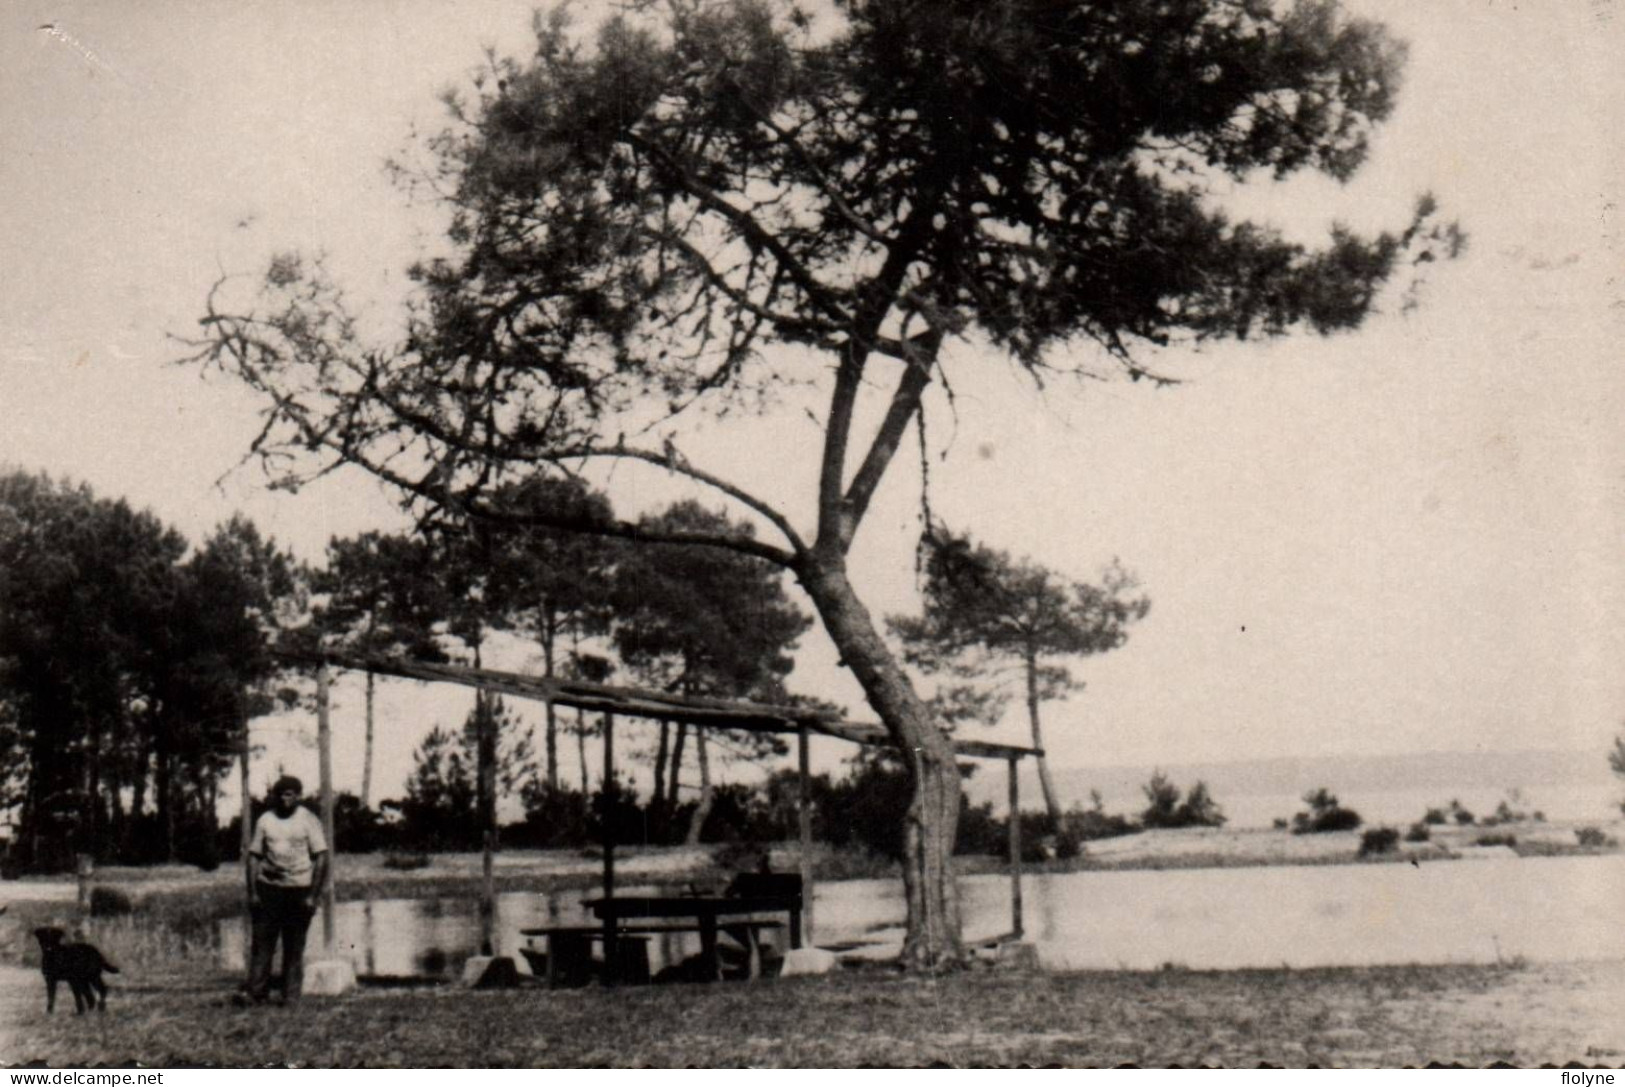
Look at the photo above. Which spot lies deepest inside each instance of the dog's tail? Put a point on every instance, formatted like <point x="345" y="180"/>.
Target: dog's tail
<point x="109" y="967"/>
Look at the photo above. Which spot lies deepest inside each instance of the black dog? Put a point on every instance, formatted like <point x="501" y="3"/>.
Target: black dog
<point x="80" y="965"/>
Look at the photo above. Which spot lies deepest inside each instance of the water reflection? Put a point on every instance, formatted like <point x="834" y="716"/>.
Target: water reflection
<point x="401" y="937"/>
<point x="1540" y="909"/>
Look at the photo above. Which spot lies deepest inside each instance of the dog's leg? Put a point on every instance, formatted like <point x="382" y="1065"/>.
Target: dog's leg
<point x="101" y="987"/>
<point x="50" y="995"/>
<point x="81" y="996"/>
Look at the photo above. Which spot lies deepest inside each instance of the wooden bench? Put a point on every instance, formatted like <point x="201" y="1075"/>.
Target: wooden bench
<point x="781" y="890"/>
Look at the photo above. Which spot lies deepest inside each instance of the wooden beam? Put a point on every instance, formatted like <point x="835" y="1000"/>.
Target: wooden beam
<point x="636" y="702"/>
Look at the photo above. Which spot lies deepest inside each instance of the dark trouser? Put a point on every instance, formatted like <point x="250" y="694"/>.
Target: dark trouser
<point x="281" y="915"/>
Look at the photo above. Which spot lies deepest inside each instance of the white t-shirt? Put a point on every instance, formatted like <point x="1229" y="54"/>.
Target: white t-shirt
<point x="286" y="847"/>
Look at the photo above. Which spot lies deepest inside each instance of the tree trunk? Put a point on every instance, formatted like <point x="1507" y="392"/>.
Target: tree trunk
<point x="140" y="777"/>
<point x="1050" y="802"/>
<point x="697" y="824"/>
<point x="676" y="767"/>
<point x="116" y="826"/>
<point x="657" y="803"/>
<point x="486" y="770"/>
<point x="549" y="635"/>
<point x="91" y="810"/>
<point x="581" y="753"/>
<point x="366" y="765"/>
<point x="933" y="939"/>
<point x="164" y="793"/>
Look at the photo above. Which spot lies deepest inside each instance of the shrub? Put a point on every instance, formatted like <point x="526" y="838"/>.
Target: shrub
<point x="1087" y="826"/>
<point x="1166" y="809"/>
<point x="1505" y="812"/>
<point x="1162" y="801"/>
<point x="1496" y="839"/>
<point x="1593" y="837"/>
<point x="1435" y="817"/>
<point x="109" y="902"/>
<point x="1378" y="840"/>
<point x="405" y="862"/>
<point x="1325" y="814"/>
<point x="1041" y="839"/>
<point x="866" y="808"/>
<point x="980" y="831"/>
<point x="1461" y="815"/>
<point x="1419" y="832"/>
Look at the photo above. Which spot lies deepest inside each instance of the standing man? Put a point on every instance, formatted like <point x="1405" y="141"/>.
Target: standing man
<point x="287" y="864"/>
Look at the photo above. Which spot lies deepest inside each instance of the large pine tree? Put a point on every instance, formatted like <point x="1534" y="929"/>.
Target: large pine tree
<point x="642" y="215"/>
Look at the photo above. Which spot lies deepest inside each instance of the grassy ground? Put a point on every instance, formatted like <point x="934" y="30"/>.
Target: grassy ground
<point x="1380" y="1017"/>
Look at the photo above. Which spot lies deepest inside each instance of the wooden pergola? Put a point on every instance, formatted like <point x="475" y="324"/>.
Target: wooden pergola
<point x="643" y="704"/>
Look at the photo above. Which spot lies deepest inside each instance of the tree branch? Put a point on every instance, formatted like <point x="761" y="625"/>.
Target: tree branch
<point x="674" y="462"/>
<point x="818" y="293"/>
<point x="629" y="530"/>
<point x="905" y="402"/>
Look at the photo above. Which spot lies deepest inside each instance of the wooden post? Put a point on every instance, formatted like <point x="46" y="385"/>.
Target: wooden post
<point x="324" y="753"/>
<point x="486" y="752"/>
<point x="84" y="869"/>
<point x="246" y="835"/>
<point x="802" y="935"/>
<point x="611" y="794"/>
<point x="1015" y="849"/>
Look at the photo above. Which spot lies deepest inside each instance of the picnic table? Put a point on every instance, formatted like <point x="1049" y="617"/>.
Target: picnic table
<point x="709" y="914"/>
<point x="626" y="939"/>
<point x="627" y="922"/>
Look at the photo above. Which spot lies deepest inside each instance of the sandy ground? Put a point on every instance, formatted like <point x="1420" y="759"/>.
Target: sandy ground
<point x="1262" y="845"/>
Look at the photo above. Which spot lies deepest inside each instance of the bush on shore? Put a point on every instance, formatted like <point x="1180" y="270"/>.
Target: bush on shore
<point x="1325" y="814"/>
<point x="1379" y="840"/>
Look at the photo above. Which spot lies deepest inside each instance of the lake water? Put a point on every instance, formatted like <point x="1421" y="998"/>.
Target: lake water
<point x="1541" y="909"/>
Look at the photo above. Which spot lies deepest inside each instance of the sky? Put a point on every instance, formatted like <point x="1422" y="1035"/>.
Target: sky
<point x="1399" y="540"/>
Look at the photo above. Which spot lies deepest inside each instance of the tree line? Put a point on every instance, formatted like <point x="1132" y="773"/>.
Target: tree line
<point x="129" y="660"/>
<point x="132" y="662"/>
<point x="132" y="665"/>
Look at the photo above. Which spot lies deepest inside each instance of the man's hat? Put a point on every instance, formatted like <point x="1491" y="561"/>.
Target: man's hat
<point x="285" y="782"/>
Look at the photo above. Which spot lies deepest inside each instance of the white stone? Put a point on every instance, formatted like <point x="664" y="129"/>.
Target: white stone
<point x="328" y="977"/>
<point x="1017" y="956"/>
<point x="494" y="971"/>
<point x="804" y="961"/>
<point x="474" y="969"/>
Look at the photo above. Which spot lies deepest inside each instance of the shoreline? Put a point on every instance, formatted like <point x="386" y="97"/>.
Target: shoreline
<point x="186" y="892"/>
